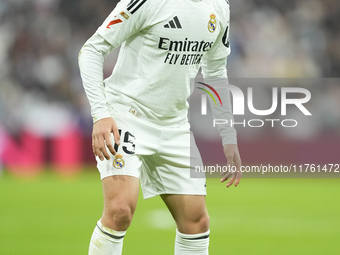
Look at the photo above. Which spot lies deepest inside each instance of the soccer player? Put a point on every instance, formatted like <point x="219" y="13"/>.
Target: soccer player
<point x="141" y="131"/>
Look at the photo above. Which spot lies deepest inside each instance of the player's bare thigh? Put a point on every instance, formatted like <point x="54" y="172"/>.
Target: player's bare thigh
<point x="120" y="200"/>
<point x="189" y="212"/>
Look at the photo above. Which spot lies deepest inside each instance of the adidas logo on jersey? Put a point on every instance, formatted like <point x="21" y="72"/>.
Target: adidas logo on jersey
<point x="174" y="23"/>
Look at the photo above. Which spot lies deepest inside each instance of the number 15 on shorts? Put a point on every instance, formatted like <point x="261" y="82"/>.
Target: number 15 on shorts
<point x="128" y="145"/>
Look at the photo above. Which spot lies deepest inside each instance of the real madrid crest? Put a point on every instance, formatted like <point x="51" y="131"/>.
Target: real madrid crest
<point x="118" y="162"/>
<point x="212" y="23"/>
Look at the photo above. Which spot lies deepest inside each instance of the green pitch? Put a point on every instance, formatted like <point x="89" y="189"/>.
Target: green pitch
<point x="54" y="215"/>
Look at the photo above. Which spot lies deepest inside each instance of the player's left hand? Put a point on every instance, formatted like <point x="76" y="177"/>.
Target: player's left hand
<point x="234" y="164"/>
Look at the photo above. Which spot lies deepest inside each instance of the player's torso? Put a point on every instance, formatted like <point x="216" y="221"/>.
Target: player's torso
<point x="155" y="65"/>
<point x="175" y="38"/>
<point x="180" y="32"/>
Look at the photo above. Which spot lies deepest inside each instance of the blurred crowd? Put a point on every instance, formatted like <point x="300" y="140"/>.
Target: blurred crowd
<point x="291" y="38"/>
<point x="41" y="89"/>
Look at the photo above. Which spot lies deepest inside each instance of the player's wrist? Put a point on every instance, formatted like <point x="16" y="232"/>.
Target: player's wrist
<point x="229" y="141"/>
<point x="98" y="117"/>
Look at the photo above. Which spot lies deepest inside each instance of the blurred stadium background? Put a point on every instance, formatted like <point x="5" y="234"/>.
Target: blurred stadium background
<point x="50" y="194"/>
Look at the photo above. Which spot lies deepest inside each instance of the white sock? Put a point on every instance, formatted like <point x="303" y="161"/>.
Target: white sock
<point x="197" y="244"/>
<point x="106" y="241"/>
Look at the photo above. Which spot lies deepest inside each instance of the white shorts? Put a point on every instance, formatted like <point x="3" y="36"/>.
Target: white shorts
<point x="162" y="157"/>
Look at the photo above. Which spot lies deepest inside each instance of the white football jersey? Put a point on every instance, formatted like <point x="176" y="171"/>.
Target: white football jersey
<point x="163" y="45"/>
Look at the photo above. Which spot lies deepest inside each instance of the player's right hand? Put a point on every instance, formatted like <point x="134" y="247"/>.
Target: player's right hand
<point x="101" y="136"/>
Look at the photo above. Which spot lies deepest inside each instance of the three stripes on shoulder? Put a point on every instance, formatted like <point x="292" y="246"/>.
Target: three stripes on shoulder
<point x="174" y="23"/>
<point x="133" y="6"/>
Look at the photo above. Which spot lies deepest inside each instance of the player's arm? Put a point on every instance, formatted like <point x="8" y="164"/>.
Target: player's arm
<point x="215" y="74"/>
<point x="227" y="132"/>
<point x="91" y="60"/>
<point x="124" y="21"/>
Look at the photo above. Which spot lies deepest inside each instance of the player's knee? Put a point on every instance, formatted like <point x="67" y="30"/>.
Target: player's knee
<point x="122" y="213"/>
<point x="204" y="223"/>
<point x="195" y="224"/>
<point x="119" y="216"/>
